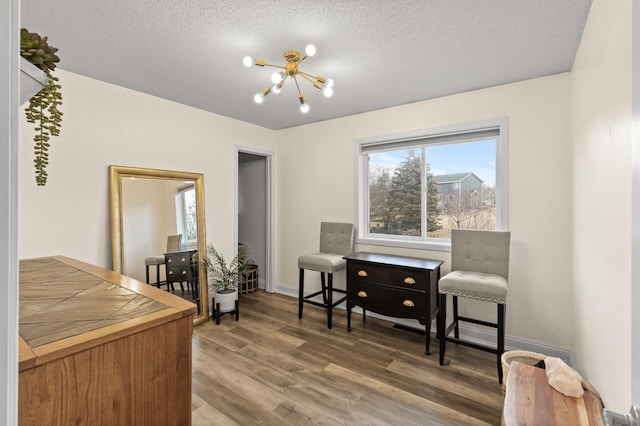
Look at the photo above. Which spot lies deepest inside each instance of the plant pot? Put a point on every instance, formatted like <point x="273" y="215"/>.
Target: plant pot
<point x="227" y="301"/>
<point x="32" y="80"/>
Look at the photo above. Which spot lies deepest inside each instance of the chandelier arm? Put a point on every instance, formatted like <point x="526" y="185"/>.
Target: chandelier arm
<point x="313" y="77"/>
<point x="271" y="65"/>
<point x="297" y="86"/>
<point x="307" y="77"/>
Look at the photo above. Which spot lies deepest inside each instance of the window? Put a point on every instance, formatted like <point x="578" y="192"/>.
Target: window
<point x="186" y="216"/>
<point x="414" y="188"/>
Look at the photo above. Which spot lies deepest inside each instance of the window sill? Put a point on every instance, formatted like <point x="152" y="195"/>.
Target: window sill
<point x="432" y="245"/>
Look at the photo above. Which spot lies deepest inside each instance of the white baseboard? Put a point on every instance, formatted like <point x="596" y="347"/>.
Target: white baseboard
<point x="476" y="335"/>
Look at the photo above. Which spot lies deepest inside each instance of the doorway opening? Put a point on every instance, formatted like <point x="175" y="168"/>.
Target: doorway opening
<point x="254" y="216"/>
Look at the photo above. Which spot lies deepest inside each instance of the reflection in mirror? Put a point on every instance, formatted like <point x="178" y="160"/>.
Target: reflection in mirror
<point x="154" y="212"/>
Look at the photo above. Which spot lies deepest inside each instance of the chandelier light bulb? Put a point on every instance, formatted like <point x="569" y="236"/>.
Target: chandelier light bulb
<point x="275" y="89"/>
<point x="247" y="61"/>
<point x="328" y="83"/>
<point x="328" y="92"/>
<point x="258" y="98"/>
<point x="304" y="108"/>
<point x="310" y="50"/>
<point x="276" y="77"/>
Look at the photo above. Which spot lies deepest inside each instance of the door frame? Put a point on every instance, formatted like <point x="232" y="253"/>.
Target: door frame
<point x="270" y="245"/>
<point x="9" y="111"/>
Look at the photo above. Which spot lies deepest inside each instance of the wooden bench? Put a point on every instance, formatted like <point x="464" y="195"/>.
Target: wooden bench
<point x="530" y="400"/>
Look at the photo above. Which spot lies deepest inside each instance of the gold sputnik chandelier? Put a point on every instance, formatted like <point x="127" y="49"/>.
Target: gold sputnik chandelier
<point x="291" y="70"/>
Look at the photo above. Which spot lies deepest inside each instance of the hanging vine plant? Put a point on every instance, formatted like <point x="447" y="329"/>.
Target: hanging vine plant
<point x="43" y="107"/>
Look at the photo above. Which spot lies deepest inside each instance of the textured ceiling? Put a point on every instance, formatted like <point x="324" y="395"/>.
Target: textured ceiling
<point x="380" y="53"/>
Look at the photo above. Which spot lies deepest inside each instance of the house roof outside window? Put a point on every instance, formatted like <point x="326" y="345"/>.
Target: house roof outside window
<point x="454" y="177"/>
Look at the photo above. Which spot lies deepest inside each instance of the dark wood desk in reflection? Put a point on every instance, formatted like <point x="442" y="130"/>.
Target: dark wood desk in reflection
<point x="182" y="267"/>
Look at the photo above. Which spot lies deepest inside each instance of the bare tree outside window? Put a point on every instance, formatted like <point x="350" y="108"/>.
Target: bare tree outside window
<point x="468" y="211"/>
<point x="190" y="215"/>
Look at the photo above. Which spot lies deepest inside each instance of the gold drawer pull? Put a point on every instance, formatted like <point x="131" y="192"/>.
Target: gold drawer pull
<point x="362" y="293"/>
<point x="409" y="280"/>
<point x="408" y="303"/>
<point x="184" y="272"/>
<point x="183" y="259"/>
<point x="170" y="272"/>
<point x="169" y="261"/>
<point x="362" y="273"/>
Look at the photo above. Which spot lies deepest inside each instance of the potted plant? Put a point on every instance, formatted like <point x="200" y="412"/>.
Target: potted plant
<point x="224" y="278"/>
<point x="43" y="108"/>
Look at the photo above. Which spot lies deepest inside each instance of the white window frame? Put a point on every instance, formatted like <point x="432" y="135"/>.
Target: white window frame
<point x="181" y="220"/>
<point x="427" y="243"/>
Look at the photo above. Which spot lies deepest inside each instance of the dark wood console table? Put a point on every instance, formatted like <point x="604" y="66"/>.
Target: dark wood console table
<point x="395" y="286"/>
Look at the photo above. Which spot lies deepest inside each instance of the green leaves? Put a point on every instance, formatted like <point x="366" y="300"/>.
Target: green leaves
<point x="43" y="109"/>
<point x="37" y="51"/>
<point x="226" y="275"/>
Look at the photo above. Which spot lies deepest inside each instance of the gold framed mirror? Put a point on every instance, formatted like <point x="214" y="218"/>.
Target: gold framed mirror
<point x="148" y="208"/>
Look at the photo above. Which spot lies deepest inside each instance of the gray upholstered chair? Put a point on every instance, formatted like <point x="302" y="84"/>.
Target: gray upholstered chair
<point x="336" y="241"/>
<point x="173" y="244"/>
<point x="479" y="270"/>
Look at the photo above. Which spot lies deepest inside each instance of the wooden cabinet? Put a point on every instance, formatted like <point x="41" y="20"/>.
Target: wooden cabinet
<point x="395" y="286"/>
<point x="99" y="348"/>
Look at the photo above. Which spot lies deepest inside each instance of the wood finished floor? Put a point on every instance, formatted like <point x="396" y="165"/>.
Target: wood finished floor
<point x="270" y="368"/>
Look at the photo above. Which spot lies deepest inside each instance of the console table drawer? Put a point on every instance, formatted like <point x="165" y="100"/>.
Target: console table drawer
<point x="387" y="301"/>
<point x="177" y="272"/>
<point x="383" y="274"/>
<point x="178" y="259"/>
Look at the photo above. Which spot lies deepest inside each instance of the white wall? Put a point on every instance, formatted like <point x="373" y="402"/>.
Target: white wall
<point x="602" y="201"/>
<point x="316" y="176"/>
<point x="105" y="124"/>
<point x="635" y="208"/>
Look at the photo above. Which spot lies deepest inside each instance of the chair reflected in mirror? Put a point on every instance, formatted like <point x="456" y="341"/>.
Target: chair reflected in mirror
<point x="173" y="245"/>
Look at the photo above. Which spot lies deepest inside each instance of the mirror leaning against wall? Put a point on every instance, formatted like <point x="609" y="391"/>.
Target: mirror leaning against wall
<point x="156" y="212"/>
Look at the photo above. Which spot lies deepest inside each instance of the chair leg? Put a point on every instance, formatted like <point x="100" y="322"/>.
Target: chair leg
<point x="147" y="268"/>
<point x="158" y="276"/>
<point x="300" y="293"/>
<point x="456" y="331"/>
<point x="329" y="301"/>
<point x="442" y="325"/>
<point x="324" y="288"/>
<point x="501" y="315"/>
